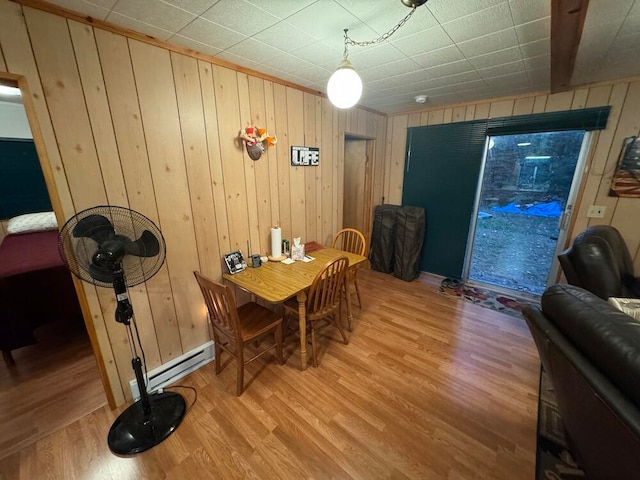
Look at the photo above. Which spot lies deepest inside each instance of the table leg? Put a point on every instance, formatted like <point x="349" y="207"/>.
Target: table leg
<point x="302" y="316"/>
<point x="349" y="314"/>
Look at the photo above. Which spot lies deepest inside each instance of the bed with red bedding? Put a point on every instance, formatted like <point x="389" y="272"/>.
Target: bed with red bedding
<point x="35" y="287"/>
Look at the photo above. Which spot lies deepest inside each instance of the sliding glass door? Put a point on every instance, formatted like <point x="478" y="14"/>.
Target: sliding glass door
<point x="523" y="208"/>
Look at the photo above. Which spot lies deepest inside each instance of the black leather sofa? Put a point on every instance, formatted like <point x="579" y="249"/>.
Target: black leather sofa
<point x="591" y="352"/>
<point x="599" y="261"/>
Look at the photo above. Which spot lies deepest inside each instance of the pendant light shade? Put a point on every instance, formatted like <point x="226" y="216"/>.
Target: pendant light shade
<point x="345" y="86"/>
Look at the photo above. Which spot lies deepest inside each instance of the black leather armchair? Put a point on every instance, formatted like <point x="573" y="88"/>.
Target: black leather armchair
<point x="591" y="352"/>
<point x="599" y="261"/>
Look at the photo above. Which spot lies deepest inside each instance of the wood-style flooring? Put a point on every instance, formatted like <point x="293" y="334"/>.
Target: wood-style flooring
<point x="53" y="383"/>
<point x="429" y="387"/>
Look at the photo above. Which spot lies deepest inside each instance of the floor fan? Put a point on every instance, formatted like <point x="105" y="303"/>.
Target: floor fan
<point x="98" y="246"/>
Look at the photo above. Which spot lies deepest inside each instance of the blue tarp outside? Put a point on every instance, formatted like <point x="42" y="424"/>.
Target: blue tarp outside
<point x="551" y="209"/>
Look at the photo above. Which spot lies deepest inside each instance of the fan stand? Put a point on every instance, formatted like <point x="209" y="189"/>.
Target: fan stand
<point x="152" y="418"/>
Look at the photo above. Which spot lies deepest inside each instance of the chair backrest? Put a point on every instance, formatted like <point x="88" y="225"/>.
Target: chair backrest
<point x="221" y="306"/>
<point x="350" y="240"/>
<point x="325" y="293"/>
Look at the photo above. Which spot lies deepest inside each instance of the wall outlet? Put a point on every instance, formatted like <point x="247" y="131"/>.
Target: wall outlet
<point x="596" y="211"/>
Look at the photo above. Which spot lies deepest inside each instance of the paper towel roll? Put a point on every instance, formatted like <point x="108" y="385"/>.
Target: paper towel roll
<point x="276" y="242"/>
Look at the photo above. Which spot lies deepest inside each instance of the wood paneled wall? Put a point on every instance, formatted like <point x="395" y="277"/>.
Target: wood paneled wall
<point x="624" y="121"/>
<point x="131" y="123"/>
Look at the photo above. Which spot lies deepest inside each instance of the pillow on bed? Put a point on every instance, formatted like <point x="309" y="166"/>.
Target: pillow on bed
<point x="32" y="222"/>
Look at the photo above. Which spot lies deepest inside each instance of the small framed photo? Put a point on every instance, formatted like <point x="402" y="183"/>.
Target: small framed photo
<point x="235" y="262"/>
<point x="305" y="156"/>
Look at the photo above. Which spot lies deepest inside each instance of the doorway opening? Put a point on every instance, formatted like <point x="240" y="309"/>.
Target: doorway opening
<point x="48" y="384"/>
<point x="358" y="175"/>
<point x="528" y="185"/>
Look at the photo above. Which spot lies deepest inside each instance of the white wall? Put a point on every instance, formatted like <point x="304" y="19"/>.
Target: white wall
<point x="13" y="121"/>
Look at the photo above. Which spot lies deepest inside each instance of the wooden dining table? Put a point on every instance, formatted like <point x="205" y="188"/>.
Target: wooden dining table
<point x="276" y="282"/>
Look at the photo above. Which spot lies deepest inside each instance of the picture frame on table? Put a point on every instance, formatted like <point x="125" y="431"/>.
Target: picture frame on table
<point x="235" y="262"/>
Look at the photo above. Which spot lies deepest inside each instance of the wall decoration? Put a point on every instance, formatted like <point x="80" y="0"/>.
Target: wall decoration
<point x="235" y="262"/>
<point x="305" y="156"/>
<point x="255" y="139"/>
<point x="626" y="179"/>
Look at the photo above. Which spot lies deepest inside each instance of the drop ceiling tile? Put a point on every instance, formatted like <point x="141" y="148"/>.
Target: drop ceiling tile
<point x="325" y="19"/>
<point x="382" y="16"/>
<point x="240" y="16"/>
<point x="500" y="70"/>
<point x="431" y="39"/>
<point x="481" y="23"/>
<point x="320" y="54"/>
<point x="533" y="49"/>
<point x="85" y="8"/>
<point x="500" y="57"/>
<point x="194" y="45"/>
<point x="285" y="37"/>
<point x="524" y="11"/>
<point x="102" y="3"/>
<point x="543" y="61"/>
<point x="373" y="55"/>
<point x="518" y="79"/>
<point x="489" y="43"/>
<point x="138" y="26"/>
<point x="282" y="8"/>
<point x="447" y="11"/>
<point x="155" y="12"/>
<point x="196" y="7"/>
<point x="209" y="33"/>
<point x="452" y="80"/>
<point x="398" y="67"/>
<point x="533" y="31"/>
<point x="238" y="60"/>
<point x="439" y="57"/>
<point x="540" y="76"/>
<point x="630" y="26"/>
<point x="254" y="50"/>
<point x="448" y="70"/>
<point x="607" y="11"/>
<point x="289" y="63"/>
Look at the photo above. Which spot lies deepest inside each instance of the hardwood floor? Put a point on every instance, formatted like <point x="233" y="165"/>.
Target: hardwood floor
<point x="429" y="387"/>
<point x="53" y="383"/>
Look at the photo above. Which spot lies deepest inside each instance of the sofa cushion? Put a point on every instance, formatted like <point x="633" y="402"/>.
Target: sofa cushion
<point x="607" y="337"/>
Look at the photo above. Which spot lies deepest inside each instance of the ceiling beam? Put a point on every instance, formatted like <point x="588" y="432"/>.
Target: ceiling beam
<point x="567" y="21"/>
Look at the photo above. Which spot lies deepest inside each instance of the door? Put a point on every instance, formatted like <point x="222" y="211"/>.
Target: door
<point x="356" y="211"/>
<point x="523" y="208"/>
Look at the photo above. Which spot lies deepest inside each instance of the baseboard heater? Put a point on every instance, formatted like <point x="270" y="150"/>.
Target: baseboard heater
<point x="177" y="368"/>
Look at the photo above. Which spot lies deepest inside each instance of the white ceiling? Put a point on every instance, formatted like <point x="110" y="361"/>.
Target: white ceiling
<point x="450" y="50"/>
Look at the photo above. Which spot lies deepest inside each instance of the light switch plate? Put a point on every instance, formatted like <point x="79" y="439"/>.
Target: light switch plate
<point x="596" y="211"/>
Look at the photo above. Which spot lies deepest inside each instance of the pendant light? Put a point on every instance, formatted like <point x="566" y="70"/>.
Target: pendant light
<point x="344" y="88"/>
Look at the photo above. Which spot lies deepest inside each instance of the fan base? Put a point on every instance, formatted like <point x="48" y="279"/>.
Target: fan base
<point x="135" y="432"/>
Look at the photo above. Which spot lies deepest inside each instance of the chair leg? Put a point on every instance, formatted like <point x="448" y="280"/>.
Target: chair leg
<point x="346" y="299"/>
<point x="240" y="367"/>
<point x="355" y="283"/>
<point x="278" y="339"/>
<point x="313" y="345"/>
<point x="338" y="323"/>
<point x="217" y="352"/>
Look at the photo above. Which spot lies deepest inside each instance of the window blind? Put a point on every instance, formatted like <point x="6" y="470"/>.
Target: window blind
<point x="584" y="119"/>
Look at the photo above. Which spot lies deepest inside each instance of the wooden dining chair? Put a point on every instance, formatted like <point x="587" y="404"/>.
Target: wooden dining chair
<point x="324" y="300"/>
<point x="352" y="241"/>
<point x="234" y="327"/>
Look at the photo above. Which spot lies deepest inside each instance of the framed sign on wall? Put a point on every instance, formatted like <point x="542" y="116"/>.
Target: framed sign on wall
<point x="305" y="156"/>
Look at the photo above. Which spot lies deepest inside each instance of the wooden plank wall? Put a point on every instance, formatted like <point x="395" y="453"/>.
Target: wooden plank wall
<point x="624" y="121"/>
<point x="130" y="123"/>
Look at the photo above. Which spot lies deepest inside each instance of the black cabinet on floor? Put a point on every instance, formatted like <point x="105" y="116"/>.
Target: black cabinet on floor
<point x="396" y="240"/>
